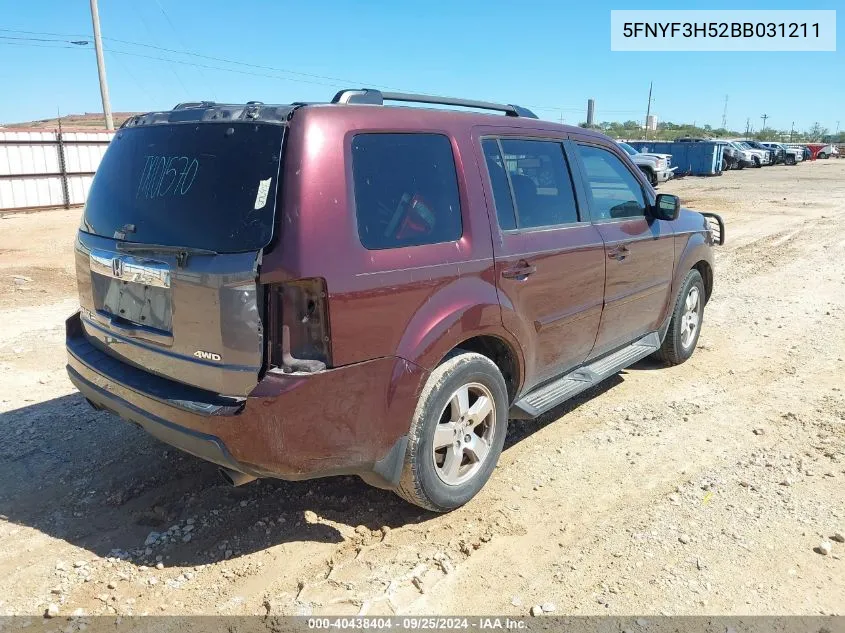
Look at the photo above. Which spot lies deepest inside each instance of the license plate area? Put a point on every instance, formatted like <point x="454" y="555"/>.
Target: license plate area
<point x="132" y="290"/>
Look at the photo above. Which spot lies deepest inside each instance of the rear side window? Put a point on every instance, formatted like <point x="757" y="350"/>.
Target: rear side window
<point x="406" y="190"/>
<point x="535" y="176"/>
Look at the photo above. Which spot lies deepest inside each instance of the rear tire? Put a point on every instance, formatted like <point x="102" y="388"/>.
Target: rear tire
<point x="685" y="326"/>
<point x="457" y="433"/>
<point x="822" y="155"/>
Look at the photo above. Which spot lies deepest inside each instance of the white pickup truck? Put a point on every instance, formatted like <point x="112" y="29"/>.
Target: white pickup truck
<point x="657" y="167"/>
<point x="790" y="156"/>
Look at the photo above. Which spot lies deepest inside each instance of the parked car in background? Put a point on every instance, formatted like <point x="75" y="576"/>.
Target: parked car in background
<point x="731" y="157"/>
<point x="757" y="157"/>
<point x="800" y="148"/>
<point x="827" y="151"/>
<point x="657" y="167"/>
<point x="790" y="156"/>
<point x="482" y="268"/>
<point x="743" y="155"/>
<point x="775" y="155"/>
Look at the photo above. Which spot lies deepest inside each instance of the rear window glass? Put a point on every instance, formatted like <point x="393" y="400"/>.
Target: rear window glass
<point x="406" y="190"/>
<point x="206" y="185"/>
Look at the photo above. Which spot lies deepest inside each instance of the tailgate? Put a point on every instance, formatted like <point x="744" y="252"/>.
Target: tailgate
<point x="167" y="254"/>
<point x="194" y="319"/>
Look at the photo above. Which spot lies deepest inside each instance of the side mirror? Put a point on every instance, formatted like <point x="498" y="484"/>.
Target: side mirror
<point x="666" y="207"/>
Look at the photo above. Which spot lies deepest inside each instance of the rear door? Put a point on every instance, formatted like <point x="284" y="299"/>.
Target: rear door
<point x="549" y="259"/>
<point x="169" y="246"/>
<point x="640" y="250"/>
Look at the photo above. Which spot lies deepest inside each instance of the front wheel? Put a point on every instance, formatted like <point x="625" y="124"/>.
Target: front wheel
<point x="757" y="162"/>
<point x="822" y="155"/>
<point x="650" y="176"/>
<point x="457" y="433"/>
<point x="685" y="325"/>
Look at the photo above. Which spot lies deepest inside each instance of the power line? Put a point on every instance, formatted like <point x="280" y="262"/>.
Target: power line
<point x="179" y="41"/>
<point x="30" y="39"/>
<point x="79" y="48"/>
<point x="345" y="82"/>
<point x="185" y="63"/>
<point x="170" y="64"/>
<point x="228" y="70"/>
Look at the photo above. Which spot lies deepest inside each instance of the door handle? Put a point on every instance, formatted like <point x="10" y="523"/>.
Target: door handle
<point x="520" y="271"/>
<point x="619" y="252"/>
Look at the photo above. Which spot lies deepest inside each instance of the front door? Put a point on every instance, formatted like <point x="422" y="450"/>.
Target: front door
<point x="640" y="250"/>
<point x="550" y="260"/>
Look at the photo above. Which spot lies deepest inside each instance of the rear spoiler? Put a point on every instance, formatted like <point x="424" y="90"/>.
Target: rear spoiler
<point x="716" y="226"/>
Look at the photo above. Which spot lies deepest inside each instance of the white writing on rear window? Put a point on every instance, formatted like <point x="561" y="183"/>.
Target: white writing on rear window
<point x="167" y="176"/>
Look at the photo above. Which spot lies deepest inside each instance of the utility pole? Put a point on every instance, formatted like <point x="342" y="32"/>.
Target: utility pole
<point x="648" y="109"/>
<point x="747" y="126"/>
<point x="791" y="131"/>
<point x="764" y="117"/>
<point x="101" y="66"/>
<point x="725" y="114"/>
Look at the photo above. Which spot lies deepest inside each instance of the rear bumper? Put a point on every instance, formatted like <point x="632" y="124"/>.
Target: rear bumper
<point x="349" y="420"/>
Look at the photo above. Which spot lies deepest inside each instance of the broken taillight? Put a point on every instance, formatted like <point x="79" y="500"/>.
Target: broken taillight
<point x="298" y="332"/>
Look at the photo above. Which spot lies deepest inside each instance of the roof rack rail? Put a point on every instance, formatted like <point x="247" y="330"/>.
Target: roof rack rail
<point x="370" y="96"/>
<point x="193" y="104"/>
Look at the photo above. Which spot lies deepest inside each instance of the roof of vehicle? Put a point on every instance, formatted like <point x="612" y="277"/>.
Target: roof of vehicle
<point x="477" y="113"/>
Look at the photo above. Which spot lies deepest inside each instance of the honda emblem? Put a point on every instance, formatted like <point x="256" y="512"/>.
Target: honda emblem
<point x="117" y="267"/>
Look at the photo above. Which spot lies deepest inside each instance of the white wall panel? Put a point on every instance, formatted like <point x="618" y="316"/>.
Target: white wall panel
<point x="34" y="154"/>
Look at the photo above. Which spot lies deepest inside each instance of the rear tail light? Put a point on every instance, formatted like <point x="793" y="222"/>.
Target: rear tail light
<point x="298" y="327"/>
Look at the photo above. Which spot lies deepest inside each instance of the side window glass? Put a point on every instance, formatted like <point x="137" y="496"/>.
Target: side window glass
<point x="542" y="186"/>
<point x="499" y="180"/>
<point x="613" y="190"/>
<point x="406" y="190"/>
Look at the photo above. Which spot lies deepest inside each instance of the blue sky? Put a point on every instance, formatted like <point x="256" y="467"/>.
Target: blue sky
<point x="551" y="56"/>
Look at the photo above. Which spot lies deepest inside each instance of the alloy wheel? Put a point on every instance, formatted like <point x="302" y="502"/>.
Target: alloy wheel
<point x="464" y="433"/>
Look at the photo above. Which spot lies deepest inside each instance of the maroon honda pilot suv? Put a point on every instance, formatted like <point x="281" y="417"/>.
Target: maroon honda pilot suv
<point x="307" y="290"/>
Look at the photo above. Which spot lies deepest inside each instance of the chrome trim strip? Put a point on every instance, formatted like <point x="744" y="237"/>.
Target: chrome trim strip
<point x="130" y="269"/>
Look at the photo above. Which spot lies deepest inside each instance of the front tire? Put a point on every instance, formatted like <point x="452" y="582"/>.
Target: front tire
<point x="685" y="326"/>
<point x="757" y="163"/>
<point x="457" y="433"/>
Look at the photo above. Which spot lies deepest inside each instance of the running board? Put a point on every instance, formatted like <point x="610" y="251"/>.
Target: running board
<point x="550" y="395"/>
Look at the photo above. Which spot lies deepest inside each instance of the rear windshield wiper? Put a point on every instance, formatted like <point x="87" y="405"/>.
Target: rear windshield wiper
<point x="182" y="252"/>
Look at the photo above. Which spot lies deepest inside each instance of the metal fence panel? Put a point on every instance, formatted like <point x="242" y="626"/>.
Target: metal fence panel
<point x="48" y="169"/>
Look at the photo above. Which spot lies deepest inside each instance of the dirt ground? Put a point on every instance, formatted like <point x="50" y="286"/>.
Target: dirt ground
<point x="702" y="489"/>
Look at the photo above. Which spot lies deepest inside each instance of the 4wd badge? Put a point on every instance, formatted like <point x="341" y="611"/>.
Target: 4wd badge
<point x="206" y="355"/>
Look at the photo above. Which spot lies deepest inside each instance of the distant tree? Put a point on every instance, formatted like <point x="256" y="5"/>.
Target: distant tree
<point x="667" y="131"/>
<point x="816" y="132"/>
